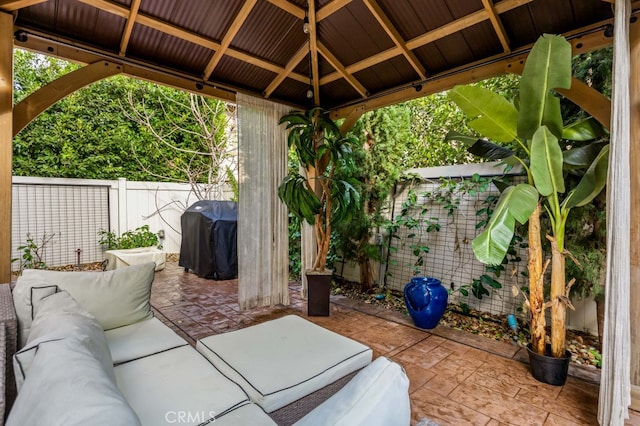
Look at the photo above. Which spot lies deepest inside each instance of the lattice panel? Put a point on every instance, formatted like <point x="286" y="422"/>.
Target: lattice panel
<point x="73" y="214"/>
<point x="450" y="257"/>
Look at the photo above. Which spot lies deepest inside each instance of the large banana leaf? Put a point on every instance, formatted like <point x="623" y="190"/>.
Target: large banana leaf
<point x="468" y="140"/>
<point x="583" y="130"/>
<point x="489" y="150"/>
<point x="546" y="162"/>
<point x="492" y="115"/>
<point x="582" y="157"/>
<point x="592" y="182"/>
<point x="516" y="203"/>
<point x="548" y="67"/>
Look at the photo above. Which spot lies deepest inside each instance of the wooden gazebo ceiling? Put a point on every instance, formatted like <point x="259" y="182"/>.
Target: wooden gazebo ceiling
<point x="358" y="52"/>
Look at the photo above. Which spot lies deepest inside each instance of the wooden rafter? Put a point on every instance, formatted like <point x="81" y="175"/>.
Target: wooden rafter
<point x="11" y="5"/>
<point x="335" y="63"/>
<point x="183" y="34"/>
<point x="475" y="72"/>
<point x="131" y="19"/>
<point x="395" y="36"/>
<point x="293" y="62"/>
<point x="291" y="8"/>
<point x="330" y="8"/>
<point x="228" y="37"/>
<point x="431" y="36"/>
<point x="313" y="51"/>
<point x="497" y="25"/>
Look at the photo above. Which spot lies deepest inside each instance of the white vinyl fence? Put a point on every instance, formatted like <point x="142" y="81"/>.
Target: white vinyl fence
<point x="75" y="210"/>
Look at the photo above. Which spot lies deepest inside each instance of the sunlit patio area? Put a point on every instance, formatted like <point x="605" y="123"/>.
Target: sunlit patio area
<point x="456" y="378"/>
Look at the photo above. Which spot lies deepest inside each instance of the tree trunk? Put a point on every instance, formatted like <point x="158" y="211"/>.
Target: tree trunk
<point x="558" y="306"/>
<point x="366" y="274"/>
<point x="536" y="286"/>
<point x="600" y="317"/>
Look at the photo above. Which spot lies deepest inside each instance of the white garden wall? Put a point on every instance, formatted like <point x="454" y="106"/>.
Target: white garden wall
<point x="74" y="210"/>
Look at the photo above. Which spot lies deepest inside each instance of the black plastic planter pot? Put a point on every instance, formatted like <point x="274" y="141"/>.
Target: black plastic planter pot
<point x="548" y="369"/>
<point x="318" y="294"/>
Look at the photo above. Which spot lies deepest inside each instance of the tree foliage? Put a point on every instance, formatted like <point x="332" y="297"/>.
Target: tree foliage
<point x="89" y="135"/>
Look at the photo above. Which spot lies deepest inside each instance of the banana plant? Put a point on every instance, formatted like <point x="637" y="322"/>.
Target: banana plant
<point x="312" y="192"/>
<point x="529" y="135"/>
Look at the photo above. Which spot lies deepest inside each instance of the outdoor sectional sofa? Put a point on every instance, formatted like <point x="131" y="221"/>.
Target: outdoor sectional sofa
<point x="89" y="351"/>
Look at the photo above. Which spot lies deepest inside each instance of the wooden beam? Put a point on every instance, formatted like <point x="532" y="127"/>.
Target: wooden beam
<point x="229" y="36"/>
<point x="351" y="119"/>
<point x="293" y="62"/>
<point x="11" y="5"/>
<point x="395" y="36"/>
<point x="590" y="100"/>
<point x="78" y="53"/>
<point x="430" y="37"/>
<point x="634" y="231"/>
<point x="6" y="142"/>
<point x="183" y="34"/>
<point x="497" y="25"/>
<point x="291" y="8"/>
<point x="128" y="27"/>
<point x="34" y="104"/>
<point x="313" y="47"/>
<point x="335" y="63"/>
<point x="490" y="67"/>
<point x="331" y="8"/>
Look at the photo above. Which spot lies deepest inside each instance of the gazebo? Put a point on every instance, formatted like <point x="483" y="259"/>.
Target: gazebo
<point x="348" y="56"/>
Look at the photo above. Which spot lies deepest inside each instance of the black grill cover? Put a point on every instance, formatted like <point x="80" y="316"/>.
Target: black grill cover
<point x="209" y="239"/>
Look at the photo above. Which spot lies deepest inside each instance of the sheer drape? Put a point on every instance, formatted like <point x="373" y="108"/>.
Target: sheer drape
<point x="615" y="389"/>
<point x="263" y="244"/>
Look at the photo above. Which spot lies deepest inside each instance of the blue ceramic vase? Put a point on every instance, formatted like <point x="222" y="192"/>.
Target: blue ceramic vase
<point x="426" y="300"/>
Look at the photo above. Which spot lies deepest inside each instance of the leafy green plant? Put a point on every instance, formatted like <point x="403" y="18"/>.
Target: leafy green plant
<point x="319" y="196"/>
<point x="531" y="134"/>
<point x="33" y="252"/>
<point x="140" y="237"/>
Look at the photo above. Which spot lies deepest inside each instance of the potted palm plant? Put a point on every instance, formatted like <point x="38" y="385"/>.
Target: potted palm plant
<point x="532" y="131"/>
<point x="314" y="193"/>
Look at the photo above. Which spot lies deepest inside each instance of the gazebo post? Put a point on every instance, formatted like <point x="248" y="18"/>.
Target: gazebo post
<point x="634" y="234"/>
<point x="6" y="142"/>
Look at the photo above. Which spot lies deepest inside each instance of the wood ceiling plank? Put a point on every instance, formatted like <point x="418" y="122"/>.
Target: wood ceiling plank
<point x="11" y="5"/>
<point x="131" y="20"/>
<point x="497" y="25"/>
<point x="293" y="62"/>
<point x="291" y="8"/>
<point x="395" y="36"/>
<point x="335" y="63"/>
<point x="313" y="51"/>
<point x="474" y="72"/>
<point x="240" y="18"/>
<point x="183" y="34"/>
<point x="428" y="37"/>
<point x="330" y="8"/>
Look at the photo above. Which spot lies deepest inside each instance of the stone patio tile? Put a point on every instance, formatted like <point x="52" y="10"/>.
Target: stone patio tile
<point x="444" y="411"/>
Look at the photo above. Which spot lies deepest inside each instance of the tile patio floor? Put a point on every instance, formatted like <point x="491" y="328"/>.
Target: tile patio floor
<point x="455" y="378"/>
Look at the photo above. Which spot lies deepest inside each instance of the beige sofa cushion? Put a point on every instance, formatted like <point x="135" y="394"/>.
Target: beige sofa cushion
<point x="141" y="339"/>
<point x="116" y="298"/>
<point x="67" y="386"/>
<point x="281" y="361"/>
<point x="377" y="395"/>
<point x="178" y="381"/>
<point x="59" y="317"/>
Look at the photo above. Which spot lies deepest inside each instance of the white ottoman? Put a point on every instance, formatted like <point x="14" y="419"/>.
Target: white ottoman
<point x="281" y="361"/>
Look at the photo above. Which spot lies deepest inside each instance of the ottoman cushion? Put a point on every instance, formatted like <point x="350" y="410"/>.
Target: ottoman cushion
<point x="281" y="361"/>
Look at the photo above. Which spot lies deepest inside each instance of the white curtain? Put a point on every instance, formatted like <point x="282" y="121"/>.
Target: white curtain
<point x="615" y="388"/>
<point x="263" y="243"/>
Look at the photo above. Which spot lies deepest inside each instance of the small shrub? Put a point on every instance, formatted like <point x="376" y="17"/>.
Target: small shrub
<point x="140" y="237"/>
<point x="33" y="252"/>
